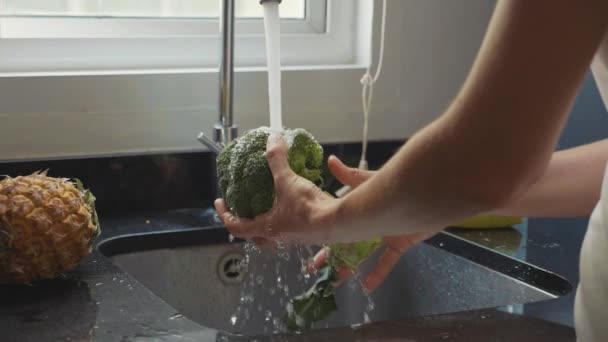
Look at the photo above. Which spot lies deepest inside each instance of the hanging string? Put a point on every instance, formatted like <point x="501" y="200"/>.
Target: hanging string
<point x="367" y="94"/>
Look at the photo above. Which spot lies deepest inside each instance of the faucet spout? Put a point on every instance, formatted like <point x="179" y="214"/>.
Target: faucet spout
<point x="225" y="130"/>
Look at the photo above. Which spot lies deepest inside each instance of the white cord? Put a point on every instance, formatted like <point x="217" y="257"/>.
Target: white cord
<point x="368" y="89"/>
<point x="366" y="96"/>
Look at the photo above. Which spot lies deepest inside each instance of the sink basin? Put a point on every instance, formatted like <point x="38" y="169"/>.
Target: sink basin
<point x="195" y="271"/>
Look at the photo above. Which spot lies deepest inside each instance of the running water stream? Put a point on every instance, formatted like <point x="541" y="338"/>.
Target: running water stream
<point x="261" y="296"/>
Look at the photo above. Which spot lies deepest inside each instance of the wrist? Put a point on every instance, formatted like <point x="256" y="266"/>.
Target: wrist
<point x="327" y="218"/>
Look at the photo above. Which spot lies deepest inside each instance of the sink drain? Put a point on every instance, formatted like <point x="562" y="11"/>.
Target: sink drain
<point x="229" y="268"/>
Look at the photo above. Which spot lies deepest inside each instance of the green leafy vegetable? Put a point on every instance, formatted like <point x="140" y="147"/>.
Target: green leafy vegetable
<point x="244" y="175"/>
<point x="315" y="304"/>
<point x="319" y="301"/>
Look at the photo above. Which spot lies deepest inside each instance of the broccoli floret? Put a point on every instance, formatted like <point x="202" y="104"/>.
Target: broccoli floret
<point x="244" y="176"/>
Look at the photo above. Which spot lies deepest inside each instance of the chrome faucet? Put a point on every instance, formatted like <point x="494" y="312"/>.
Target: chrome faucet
<point x="225" y="130"/>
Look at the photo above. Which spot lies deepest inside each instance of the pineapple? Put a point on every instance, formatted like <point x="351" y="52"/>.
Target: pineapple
<point x="47" y="225"/>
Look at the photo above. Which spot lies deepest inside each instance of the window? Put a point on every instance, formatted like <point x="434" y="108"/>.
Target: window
<point x="292" y="9"/>
<point x="82" y="86"/>
<point x="126" y="35"/>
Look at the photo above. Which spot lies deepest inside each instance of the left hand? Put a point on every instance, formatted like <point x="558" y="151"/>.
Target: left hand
<point x="395" y="247"/>
<point x="301" y="214"/>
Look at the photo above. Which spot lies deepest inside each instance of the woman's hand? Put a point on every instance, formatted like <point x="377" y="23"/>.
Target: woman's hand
<point x="395" y="246"/>
<point x="302" y="212"/>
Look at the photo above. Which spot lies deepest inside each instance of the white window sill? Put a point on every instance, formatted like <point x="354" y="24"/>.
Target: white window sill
<point x="177" y="71"/>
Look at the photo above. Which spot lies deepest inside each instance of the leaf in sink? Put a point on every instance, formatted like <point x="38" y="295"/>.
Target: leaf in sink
<point x="319" y="301"/>
<point x="315" y="304"/>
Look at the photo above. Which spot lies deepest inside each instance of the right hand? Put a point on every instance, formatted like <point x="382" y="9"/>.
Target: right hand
<point x="395" y="245"/>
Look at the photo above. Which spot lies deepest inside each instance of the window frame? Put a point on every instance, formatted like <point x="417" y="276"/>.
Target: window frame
<point x="104" y="113"/>
<point x="325" y="37"/>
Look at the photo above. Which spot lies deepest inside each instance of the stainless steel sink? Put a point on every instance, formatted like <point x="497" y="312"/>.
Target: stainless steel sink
<point x="196" y="272"/>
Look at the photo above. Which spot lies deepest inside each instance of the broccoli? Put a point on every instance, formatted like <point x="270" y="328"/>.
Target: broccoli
<point x="244" y="176"/>
<point x="246" y="182"/>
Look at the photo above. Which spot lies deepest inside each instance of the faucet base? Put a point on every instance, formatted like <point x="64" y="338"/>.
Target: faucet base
<point x="225" y="134"/>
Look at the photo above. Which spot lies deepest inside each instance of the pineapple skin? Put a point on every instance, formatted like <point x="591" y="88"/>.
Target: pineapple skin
<point x="46" y="227"/>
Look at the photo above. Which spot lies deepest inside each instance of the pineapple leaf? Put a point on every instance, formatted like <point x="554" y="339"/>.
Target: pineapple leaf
<point x="89" y="199"/>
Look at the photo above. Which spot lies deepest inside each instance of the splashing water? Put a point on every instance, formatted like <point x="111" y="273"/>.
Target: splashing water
<point x="266" y="287"/>
<point x="358" y="282"/>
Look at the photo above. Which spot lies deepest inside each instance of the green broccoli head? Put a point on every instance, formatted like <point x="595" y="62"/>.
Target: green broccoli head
<point x="244" y="176"/>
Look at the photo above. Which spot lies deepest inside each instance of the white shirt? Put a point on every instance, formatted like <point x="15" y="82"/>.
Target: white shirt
<point x="591" y="304"/>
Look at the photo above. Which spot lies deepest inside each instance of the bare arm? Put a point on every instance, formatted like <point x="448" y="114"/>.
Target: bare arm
<point x="493" y="142"/>
<point x="570" y="185"/>
<point x="497" y="137"/>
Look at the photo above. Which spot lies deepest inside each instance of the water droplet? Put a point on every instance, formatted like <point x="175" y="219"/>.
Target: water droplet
<point x="366" y="318"/>
<point x="98" y="284"/>
<point x="442" y="336"/>
<point x="233" y="319"/>
<point x="441" y="244"/>
<point x="268" y="316"/>
<point x="259" y="279"/>
<point x="176" y="316"/>
<point x="231" y="238"/>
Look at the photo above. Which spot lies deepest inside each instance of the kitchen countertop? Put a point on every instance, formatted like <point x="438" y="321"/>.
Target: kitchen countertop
<point x="99" y="302"/>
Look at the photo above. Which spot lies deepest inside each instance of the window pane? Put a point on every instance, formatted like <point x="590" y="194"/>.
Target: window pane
<point x="293" y="9"/>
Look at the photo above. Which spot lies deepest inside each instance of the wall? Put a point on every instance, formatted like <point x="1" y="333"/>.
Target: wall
<point x="430" y="47"/>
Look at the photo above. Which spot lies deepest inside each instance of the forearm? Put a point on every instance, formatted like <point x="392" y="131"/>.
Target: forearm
<point x="413" y="192"/>
<point x="497" y="137"/>
<point x="570" y="186"/>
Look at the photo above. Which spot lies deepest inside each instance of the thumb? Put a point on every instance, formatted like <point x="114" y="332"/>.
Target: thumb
<point x="276" y="155"/>
<point x="350" y="176"/>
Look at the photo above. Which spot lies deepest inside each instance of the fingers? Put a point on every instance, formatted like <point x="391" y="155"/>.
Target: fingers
<point x="395" y="247"/>
<point x="320" y="260"/>
<point x="383" y="268"/>
<point x="242" y="228"/>
<point x="347" y="175"/>
<point x="343" y="274"/>
<point x="276" y="154"/>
